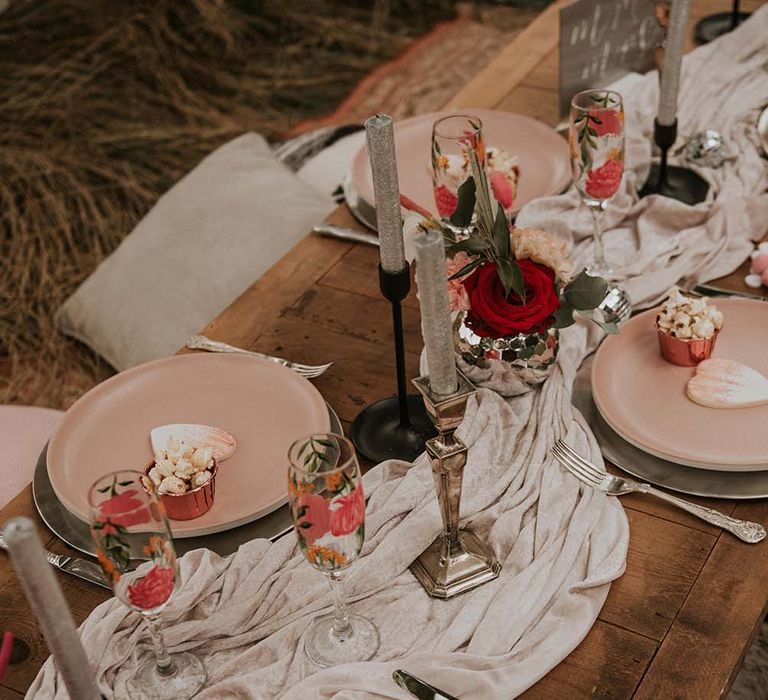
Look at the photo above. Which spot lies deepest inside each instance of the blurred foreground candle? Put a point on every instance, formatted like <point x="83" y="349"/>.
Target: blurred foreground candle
<point x="47" y="602"/>
<point x="673" y="57"/>
<point x="436" y="324"/>
<point x="386" y="190"/>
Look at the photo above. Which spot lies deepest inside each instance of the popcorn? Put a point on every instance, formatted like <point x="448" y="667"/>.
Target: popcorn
<point x="180" y="467"/>
<point x="687" y="317"/>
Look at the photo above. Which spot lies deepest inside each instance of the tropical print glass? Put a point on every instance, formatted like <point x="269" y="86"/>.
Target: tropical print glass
<point x="452" y="139"/>
<point x="128" y="524"/>
<point x="596" y="139"/>
<point x="327" y="505"/>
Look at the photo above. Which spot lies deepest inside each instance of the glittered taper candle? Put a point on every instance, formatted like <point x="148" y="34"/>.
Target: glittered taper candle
<point x="47" y="601"/>
<point x="436" y="324"/>
<point x="673" y="58"/>
<point x="380" y="137"/>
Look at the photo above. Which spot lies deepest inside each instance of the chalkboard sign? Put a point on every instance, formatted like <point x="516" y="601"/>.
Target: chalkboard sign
<point x="601" y="40"/>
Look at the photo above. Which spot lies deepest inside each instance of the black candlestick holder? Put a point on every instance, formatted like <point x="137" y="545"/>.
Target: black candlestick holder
<point x="670" y="180"/>
<point x="712" y="26"/>
<point x="396" y="427"/>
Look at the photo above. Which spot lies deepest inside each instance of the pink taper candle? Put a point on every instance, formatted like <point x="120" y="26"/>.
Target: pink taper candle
<point x="47" y="601"/>
<point x="673" y="58"/>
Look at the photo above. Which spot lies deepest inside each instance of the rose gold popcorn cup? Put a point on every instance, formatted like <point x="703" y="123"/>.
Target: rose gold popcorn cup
<point x="686" y="353"/>
<point x="190" y="504"/>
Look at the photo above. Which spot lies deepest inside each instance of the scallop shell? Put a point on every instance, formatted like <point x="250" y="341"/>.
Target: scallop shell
<point x="722" y="383"/>
<point x="221" y="443"/>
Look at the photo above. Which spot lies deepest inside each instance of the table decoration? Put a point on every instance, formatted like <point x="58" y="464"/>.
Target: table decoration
<point x="328" y="510"/>
<point x="667" y="180"/>
<point x="758" y="267"/>
<point x="128" y="522"/>
<point x="395" y="427"/>
<point x="47" y="601"/>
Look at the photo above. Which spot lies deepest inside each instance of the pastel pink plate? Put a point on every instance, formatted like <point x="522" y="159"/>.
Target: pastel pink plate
<point x="265" y="406"/>
<point x="545" y="166"/>
<point x="643" y="397"/>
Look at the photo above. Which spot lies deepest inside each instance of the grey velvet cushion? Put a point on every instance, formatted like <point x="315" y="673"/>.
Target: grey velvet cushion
<point x="205" y="241"/>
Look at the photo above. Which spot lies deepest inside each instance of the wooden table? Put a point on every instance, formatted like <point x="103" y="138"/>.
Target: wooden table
<point x="676" y="625"/>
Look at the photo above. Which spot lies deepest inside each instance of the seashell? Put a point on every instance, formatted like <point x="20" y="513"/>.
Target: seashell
<point x="720" y="383"/>
<point x="221" y="443"/>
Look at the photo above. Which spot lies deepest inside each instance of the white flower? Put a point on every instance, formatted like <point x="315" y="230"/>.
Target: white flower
<point x="540" y="247"/>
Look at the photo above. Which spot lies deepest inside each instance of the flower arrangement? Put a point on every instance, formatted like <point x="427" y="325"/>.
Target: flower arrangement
<point x="509" y="281"/>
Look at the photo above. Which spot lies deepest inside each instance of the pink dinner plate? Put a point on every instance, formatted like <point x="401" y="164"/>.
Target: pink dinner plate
<point x="265" y="406"/>
<point x="642" y="396"/>
<point x="545" y="166"/>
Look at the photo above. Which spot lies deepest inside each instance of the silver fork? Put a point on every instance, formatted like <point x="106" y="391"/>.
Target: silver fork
<point x="618" y="486"/>
<point x="201" y="342"/>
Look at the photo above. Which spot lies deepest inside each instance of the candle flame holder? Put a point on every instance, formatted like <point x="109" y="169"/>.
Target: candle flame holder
<point x="670" y="180"/>
<point x="457" y="561"/>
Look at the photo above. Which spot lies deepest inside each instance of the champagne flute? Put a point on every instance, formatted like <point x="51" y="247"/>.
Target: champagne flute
<point x="328" y="510"/>
<point x="128" y="522"/>
<point x="452" y="139"/>
<point x="596" y="139"/>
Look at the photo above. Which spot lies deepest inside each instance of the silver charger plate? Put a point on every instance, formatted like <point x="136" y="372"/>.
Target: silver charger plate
<point x="698" y="482"/>
<point x="76" y="534"/>
<point x="361" y="210"/>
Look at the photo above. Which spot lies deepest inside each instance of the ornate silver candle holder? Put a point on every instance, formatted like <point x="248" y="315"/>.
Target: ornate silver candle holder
<point x="457" y="560"/>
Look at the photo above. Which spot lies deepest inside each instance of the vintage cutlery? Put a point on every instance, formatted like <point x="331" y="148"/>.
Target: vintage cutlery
<point x="709" y="290"/>
<point x="82" y="568"/>
<point x="347" y="234"/>
<point x="201" y="342"/>
<point x="418" y="688"/>
<point x="617" y="486"/>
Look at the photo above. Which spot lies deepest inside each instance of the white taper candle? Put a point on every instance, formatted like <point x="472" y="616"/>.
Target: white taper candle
<point x="386" y="190"/>
<point x="44" y="595"/>
<point x="435" y="314"/>
<point x="673" y="58"/>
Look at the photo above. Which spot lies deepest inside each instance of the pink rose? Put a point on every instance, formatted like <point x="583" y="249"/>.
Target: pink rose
<point x="446" y="201"/>
<point x="610" y="121"/>
<point x="124" y="509"/>
<point x="313" y="522"/>
<point x="603" y="182"/>
<point x="153" y="590"/>
<point x="348" y="513"/>
<point x="502" y="190"/>
<point x="457" y="294"/>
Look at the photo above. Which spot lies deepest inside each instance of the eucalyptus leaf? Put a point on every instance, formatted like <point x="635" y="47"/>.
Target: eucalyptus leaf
<point x="501" y="233"/>
<point x="585" y="291"/>
<point x="462" y="216"/>
<point x="564" y="315"/>
<point x="469" y="245"/>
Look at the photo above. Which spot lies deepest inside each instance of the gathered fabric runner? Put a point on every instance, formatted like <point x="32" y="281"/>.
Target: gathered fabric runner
<point x="560" y="544"/>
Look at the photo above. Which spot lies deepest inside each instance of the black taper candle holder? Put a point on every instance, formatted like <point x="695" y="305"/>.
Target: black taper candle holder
<point x="670" y="180"/>
<point x="712" y="26"/>
<point x="396" y="427"/>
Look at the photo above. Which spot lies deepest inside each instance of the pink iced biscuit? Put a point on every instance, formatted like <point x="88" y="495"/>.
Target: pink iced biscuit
<point x="760" y="265"/>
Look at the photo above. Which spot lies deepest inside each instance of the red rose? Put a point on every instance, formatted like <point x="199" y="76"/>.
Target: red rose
<point x="153" y="590"/>
<point x="603" y="182"/>
<point x="446" y="201"/>
<point x="349" y="514"/>
<point x="610" y="121"/>
<point x="123" y="509"/>
<point x="494" y="316"/>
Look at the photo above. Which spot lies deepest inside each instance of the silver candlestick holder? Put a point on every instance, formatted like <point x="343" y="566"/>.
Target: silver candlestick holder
<point x="457" y="560"/>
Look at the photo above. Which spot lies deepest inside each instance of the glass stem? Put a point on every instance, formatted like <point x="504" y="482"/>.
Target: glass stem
<point x="341" y="625"/>
<point x="165" y="665"/>
<point x="597" y="210"/>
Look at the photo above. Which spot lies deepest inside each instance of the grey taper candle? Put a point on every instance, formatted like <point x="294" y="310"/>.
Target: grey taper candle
<point x="673" y="58"/>
<point x="436" y="324"/>
<point x="47" y="601"/>
<point x="386" y="190"/>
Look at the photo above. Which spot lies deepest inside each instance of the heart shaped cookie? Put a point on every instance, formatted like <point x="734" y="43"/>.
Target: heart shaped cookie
<point x="727" y="384"/>
<point x="221" y="443"/>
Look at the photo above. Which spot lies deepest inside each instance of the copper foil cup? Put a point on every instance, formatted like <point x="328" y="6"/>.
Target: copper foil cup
<point x="686" y="353"/>
<point x="190" y="504"/>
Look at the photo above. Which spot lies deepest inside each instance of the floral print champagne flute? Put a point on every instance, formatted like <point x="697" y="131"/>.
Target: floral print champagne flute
<point x="328" y="510"/>
<point x="128" y="523"/>
<point x="596" y="140"/>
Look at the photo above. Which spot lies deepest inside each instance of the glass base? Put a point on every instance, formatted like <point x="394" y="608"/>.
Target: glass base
<point x="609" y="272"/>
<point x="326" y="649"/>
<point x="148" y="684"/>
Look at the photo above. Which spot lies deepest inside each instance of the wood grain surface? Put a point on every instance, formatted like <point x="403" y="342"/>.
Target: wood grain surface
<point x="676" y="625"/>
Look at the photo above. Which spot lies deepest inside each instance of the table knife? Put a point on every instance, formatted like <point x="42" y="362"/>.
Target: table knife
<point x="82" y="568"/>
<point x="347" y="234"/>
<point x="710" y="290"/>
<point x="418" y="688"/>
